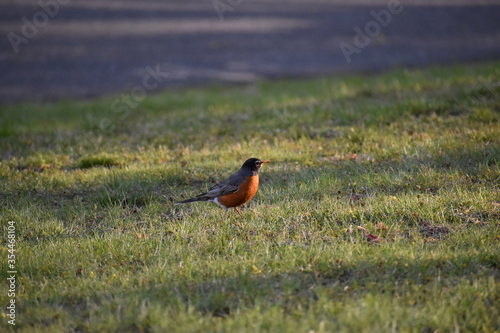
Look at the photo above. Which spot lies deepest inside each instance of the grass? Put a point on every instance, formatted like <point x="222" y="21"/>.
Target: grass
<point x="409" y="157"/>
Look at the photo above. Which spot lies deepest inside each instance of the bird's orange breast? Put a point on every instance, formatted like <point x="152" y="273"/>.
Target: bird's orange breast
<point x="246" y="191"/>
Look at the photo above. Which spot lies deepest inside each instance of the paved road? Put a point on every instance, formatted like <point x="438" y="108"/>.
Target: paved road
<point x="88" y="48"/>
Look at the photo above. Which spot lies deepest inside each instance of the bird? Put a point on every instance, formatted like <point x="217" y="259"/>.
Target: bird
<point x="236" y="190"/>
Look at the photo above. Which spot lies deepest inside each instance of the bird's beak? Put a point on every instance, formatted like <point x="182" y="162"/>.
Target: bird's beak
<point x="267" y="161"/>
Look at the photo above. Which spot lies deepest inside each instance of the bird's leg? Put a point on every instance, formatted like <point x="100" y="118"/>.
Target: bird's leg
<point x="240" y="223"/>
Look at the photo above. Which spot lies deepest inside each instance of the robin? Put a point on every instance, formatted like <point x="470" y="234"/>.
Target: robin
<point x="237" y="189"/>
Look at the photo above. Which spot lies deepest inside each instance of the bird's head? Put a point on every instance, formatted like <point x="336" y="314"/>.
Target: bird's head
<point x="254" y="164"/>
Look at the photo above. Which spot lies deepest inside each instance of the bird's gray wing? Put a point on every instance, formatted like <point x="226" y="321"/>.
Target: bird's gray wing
<point x="228" y="186"/>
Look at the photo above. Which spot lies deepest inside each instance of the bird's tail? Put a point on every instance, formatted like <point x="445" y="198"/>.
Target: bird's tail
<point x="201" y="197"/>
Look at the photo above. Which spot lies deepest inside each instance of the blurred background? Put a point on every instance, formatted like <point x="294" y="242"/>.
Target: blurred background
<point x="61" y="49"/>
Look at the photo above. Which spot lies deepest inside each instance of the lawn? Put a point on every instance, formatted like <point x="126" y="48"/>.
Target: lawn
<point x="379" y="212"/>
